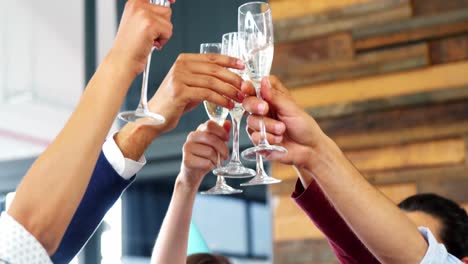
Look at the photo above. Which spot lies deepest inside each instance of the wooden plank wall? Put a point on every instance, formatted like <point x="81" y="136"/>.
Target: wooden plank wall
<point x="388" y="81"/>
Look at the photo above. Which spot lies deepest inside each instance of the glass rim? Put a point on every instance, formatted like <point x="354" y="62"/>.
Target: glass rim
<point x="217" y="46"/>
<point x="165" y="3"/>
<point x="234" y="33"/>
<point x="230" y="34"/>
<point x="210" y="44"/>
<point x="255" y="2"/>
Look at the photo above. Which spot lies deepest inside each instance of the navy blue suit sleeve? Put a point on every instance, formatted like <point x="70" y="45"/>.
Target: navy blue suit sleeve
<point x="104" y="189"/>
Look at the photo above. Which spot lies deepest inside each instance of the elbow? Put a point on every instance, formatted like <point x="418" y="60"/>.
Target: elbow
<point x="44" y="234"/>
<point x="38" y="227"/>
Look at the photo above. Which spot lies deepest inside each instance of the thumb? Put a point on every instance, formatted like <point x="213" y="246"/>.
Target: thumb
<point x="277" y="97"/>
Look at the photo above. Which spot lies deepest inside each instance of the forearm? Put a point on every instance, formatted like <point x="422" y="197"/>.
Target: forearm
<point x="104" y="189"/>
<point x="171" y="244"/>
<point x="346" y="245"/>
<point x="133" y="140"/>
<point x="379" y="224"/>
<point x="61" y="174"/>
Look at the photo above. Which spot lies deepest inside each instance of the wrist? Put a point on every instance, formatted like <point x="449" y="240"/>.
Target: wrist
<point x="133" y="139"/>
<point x="323" y="159"/>
<point x="184" y="185"/>
<point x="123" y="64"/>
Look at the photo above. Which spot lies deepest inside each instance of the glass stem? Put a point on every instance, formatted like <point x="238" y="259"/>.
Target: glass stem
<point x="143" y="105"/>
<point x="235" y="140"/>
<point x="218" y="162"/>
<point x="263" y="139"/>
<point x="220" y="181"/>
<point x="260" y="169"/>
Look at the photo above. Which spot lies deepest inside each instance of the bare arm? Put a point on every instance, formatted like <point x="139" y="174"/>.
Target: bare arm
<point x="60" y="175"/>
<point x="192" y="79"/>
<point x="172" y="242"/>
<point x="378" y="223"/>
<point x="50" y="192"/>
<point x="200" y="155"/>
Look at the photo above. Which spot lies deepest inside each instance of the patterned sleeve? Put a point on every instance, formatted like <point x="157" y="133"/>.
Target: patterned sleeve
<point x="18" y="246"/>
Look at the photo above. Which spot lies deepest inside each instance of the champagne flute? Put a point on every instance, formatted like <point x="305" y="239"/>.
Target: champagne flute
<point x="255" y="22"/>
<point x="142" y="115"/>
<point x="234" y="169"/>
<point x="256" y="47"/>
<point x="218" y="114"/>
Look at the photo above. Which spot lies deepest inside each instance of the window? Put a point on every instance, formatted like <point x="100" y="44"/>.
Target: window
<point x="111" y="238"/>
<point x="234" y="227"/>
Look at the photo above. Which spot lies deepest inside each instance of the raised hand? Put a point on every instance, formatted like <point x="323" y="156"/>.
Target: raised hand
<point x="194" y="78"/>
<point x="200" y="152"/>
<point x="142" y="23"/>
<point x="286" y="123"/>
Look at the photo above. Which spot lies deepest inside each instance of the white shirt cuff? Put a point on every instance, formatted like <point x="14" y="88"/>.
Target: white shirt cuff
<point x="436" y="252"/>
<point x="17" y="245"/>
<point x="126" y="168"/>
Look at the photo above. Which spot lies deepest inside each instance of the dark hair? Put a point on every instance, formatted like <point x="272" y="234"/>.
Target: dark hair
<point x="454" y="232"/>
<point x="204" y="258"/>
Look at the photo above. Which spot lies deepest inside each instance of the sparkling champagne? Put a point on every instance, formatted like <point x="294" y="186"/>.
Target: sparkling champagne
<point x="216" y="113"/>
<point x="259" y="62"/>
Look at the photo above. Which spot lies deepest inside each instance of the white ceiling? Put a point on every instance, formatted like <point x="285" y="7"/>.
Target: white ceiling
<point x="42" y="69"/>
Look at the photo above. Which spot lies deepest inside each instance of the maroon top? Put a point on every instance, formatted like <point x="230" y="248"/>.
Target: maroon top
<point x="346" y="245"/>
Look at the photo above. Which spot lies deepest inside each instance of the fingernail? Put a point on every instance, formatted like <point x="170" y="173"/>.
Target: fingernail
<point x="279" y="128"/>
<point x="278" y="139"/>
<point x="261" y="108"/>
<point x="240" y="97"/>
<point x="240" y="63"/>
<point x="268" y="82"/>
<point x="231" y="105"/>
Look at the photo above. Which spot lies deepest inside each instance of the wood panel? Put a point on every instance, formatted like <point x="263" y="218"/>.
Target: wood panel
<point x="390" y="120"/>
<point x="304" y="252"/>
<point x="401" y="136"/>
<point x="453" y="189"/>
<point x="333" y="47"/>
<point x="283" y="9"/>
<point x="449" y="49"/>
<point x="376" y="12"/>
<point x="398" y="192"/>
<point x="399" y="126"/>
<point x="410" y="30"/>
<point x="465" y="205"/>
<point x="396" y="157"/>
<point x="286" y="187"/>
<point x="429" y="79"/>
<point x="382" y="104"/>
<point x="431" y="7"/>
<point x="410" y="155"/>
<point x="286" y="215"/>
<point x="449" y="173"/>
<point x="345" y="67"/>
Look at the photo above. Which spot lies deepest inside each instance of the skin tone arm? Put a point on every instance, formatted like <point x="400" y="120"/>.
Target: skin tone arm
<point x="379" y="224"/>
<point x="192" y="79"/>
<point x="51" y="190"/>
<point x="199" y="157"/>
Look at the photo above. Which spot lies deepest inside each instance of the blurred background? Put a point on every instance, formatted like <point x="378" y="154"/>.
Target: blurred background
<point x="386" y="79"/>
